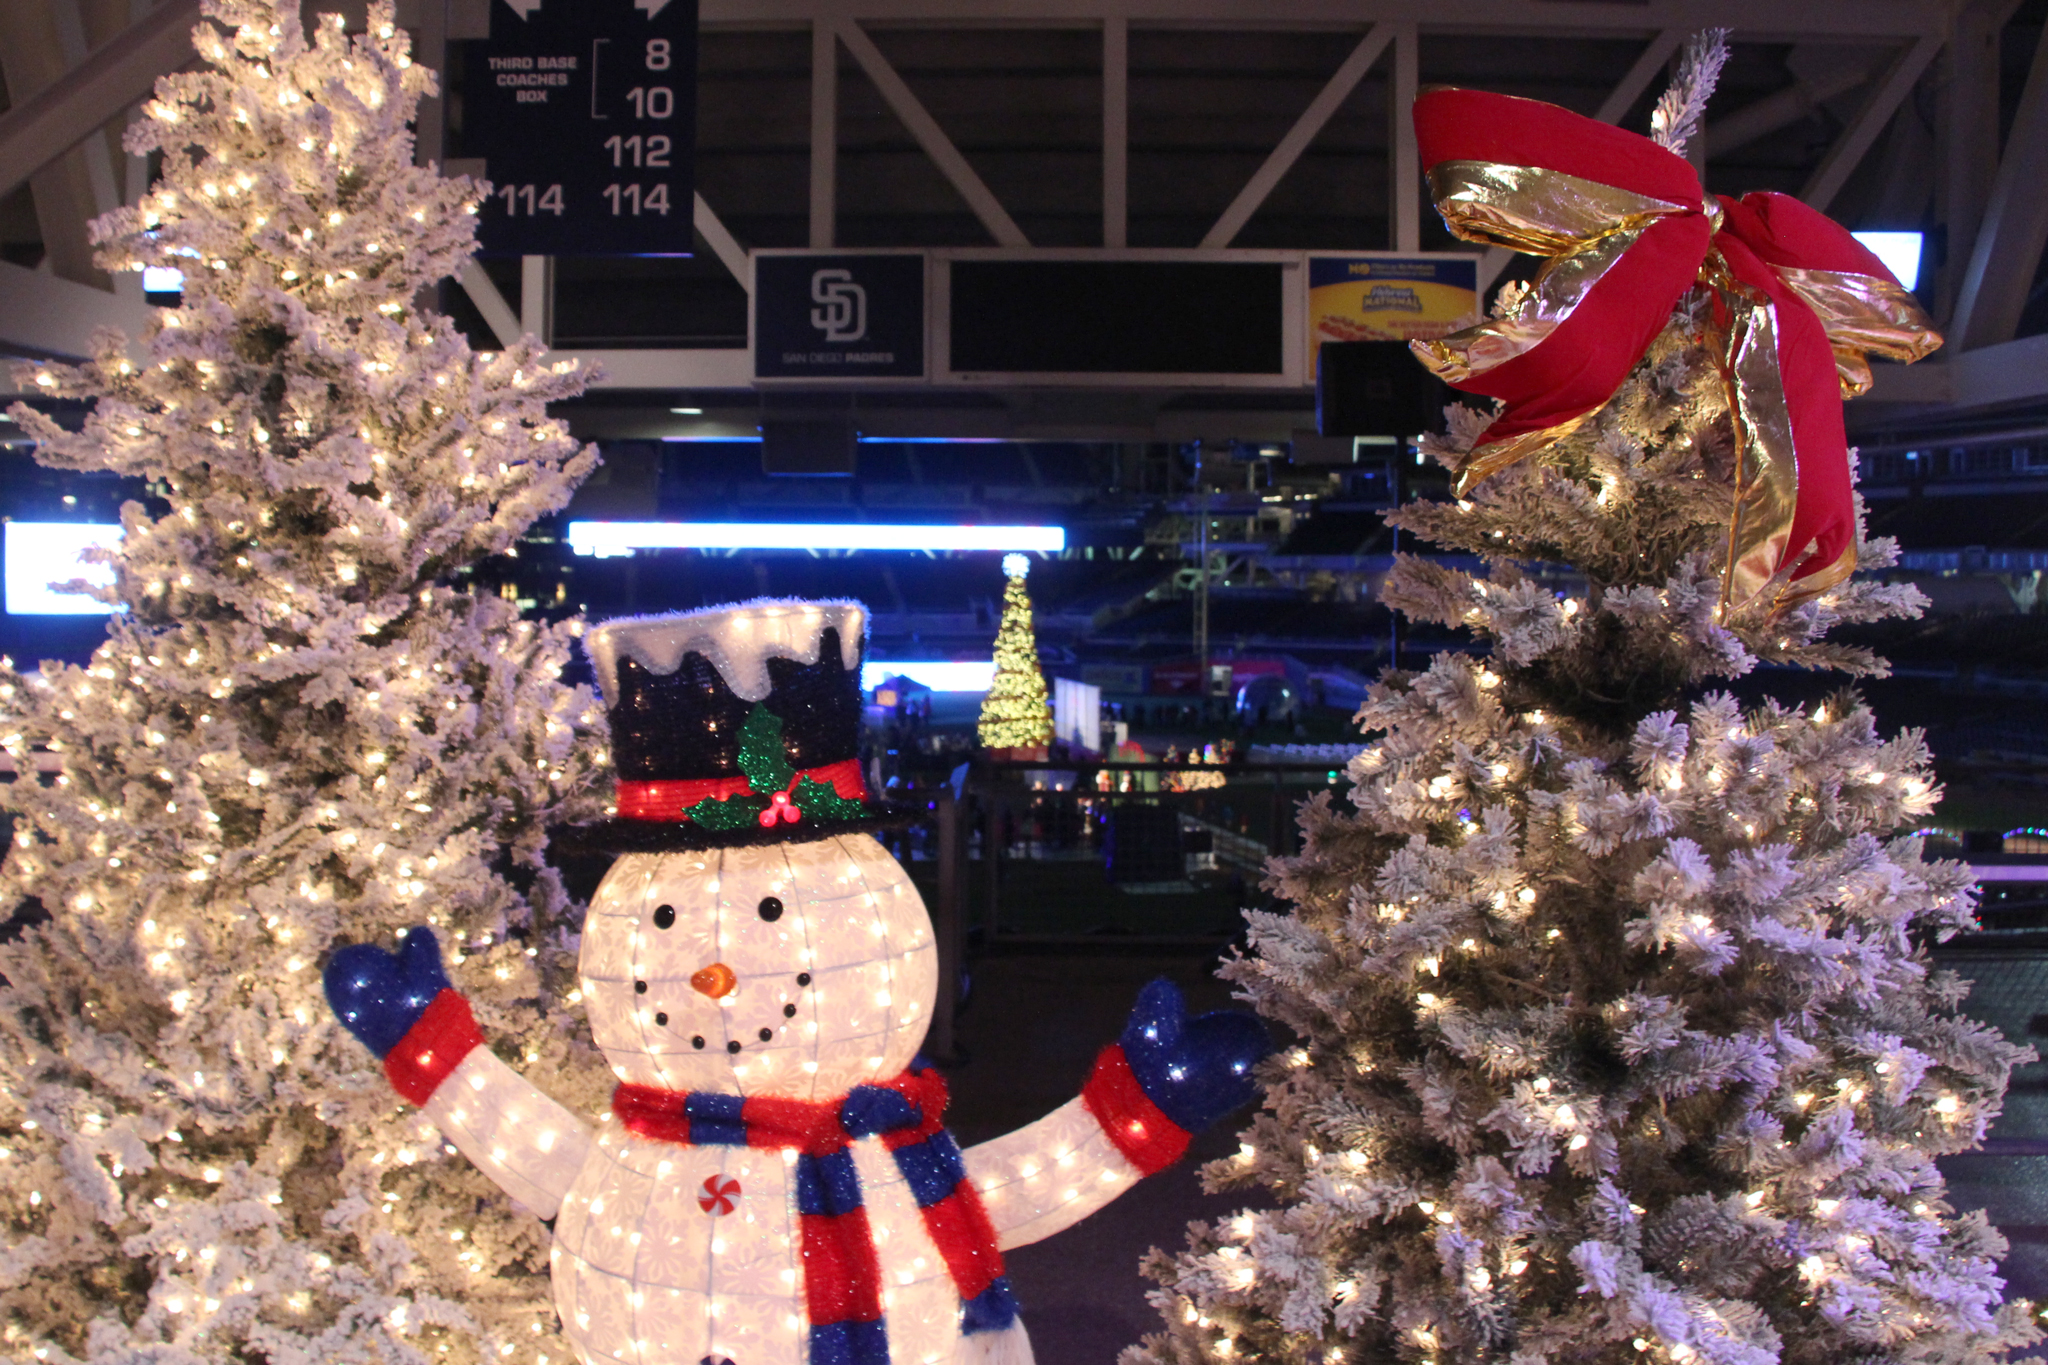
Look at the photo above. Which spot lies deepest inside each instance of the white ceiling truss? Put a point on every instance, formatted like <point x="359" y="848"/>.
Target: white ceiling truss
<point x="75" y="70"/>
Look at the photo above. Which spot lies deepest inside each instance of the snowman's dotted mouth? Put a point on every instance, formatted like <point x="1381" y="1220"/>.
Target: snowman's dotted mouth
<point x="735" y="1046"/>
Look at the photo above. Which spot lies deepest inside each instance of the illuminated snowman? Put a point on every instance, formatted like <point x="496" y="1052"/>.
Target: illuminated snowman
<point x="772" y="1185"/>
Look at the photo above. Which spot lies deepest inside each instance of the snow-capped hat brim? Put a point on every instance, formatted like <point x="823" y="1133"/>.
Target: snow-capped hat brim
<point x="616" y="836"/>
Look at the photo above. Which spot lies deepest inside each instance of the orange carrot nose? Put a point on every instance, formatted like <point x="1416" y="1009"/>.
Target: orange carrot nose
<point x="716" y="981"/>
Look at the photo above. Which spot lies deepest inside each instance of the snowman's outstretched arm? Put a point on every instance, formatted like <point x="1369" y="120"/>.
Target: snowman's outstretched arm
<point x="403" y="1009"/>
<point x="1167" y="1078"/>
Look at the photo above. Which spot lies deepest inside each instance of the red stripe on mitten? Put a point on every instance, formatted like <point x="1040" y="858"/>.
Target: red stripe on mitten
<point x="1140" y="1129"/>
<point x="434" y="1046"/>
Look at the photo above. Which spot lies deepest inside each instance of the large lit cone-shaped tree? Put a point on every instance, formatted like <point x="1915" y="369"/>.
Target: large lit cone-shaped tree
<point x="295" y="731"/>
<point x="1014" y="715"/>
<point x="1619" y="1038"/>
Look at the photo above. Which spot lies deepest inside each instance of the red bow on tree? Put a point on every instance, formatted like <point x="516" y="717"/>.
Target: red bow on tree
<point x="1797" y="303"/>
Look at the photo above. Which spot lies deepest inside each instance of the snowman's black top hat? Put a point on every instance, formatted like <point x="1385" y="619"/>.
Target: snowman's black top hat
<point x="734" y="725"/>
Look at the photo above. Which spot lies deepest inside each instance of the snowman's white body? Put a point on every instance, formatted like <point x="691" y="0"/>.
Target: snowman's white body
<point x="668" y="1254"/>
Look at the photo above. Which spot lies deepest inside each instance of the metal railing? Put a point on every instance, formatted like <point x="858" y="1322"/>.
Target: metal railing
<point x="1053" y="853"/>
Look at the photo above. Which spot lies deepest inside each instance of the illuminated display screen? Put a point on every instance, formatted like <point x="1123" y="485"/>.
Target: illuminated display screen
<point x="606" y="538"/>
<point x="939" y="677"/>
<point x="39" y="553"/>
<point x="1900" y="252"/>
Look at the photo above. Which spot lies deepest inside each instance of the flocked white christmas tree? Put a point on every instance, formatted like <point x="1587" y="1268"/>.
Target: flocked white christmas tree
<point x="296" y="731"/>
<point x="1620" y="1041"/>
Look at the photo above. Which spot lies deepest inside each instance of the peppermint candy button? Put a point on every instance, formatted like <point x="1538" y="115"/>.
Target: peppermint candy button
<point x="719" y="1192"/>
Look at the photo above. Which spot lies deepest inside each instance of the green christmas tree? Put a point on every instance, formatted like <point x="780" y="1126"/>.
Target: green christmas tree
<point x="1015" y="714"/>
<point x="1619" y="1039"/>
<point x="296" y="730"/>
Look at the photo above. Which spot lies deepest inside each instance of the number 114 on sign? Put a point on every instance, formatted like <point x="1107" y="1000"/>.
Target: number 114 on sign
<point x="530" y="199"/>
<point x="635" y="200"/>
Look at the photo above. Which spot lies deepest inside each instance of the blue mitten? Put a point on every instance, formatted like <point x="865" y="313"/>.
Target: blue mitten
<point x="378" y="995"/>
<point x="1196" y="1070"/>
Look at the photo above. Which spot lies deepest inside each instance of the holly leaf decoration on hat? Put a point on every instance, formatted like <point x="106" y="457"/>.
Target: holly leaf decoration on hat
<point x="769" y="777"/>
<point x="727" y="812"/>
<point x="819" y="801"/>
<point x="767" y="770"/>
<point x="761" y="755"/>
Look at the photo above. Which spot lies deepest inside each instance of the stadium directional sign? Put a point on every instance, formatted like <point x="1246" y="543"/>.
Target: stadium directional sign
<point x="585" y="113"/>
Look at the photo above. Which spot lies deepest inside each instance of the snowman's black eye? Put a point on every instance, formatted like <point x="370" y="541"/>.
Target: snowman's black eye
<point x="661" y="1021"/>
<point x="664" y="916"/>
<point x="803" y="978"/>
<point x="770" y="908"/>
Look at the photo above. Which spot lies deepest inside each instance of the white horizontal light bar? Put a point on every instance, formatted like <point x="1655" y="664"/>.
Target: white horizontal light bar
<point x="39" y="553"/>
<point x="606" y="538"/>
<point x="1995" y="872"/>
<point x="1900" y="252"/>
<point x="939" y="677"/>
<point x="161" y="279"/>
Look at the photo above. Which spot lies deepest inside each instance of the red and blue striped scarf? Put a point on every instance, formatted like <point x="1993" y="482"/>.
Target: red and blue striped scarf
<point x="842" y="1280"/>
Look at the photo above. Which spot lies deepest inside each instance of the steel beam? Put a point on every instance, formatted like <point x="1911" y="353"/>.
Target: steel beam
<point x="1931" y="383"/>
<point x="824" y="134"/>
<point x="1755" y="20"/>
<point x="41" y="315"/>
<point x="1779" y="109"/>
<point x="1404" y="165"/>
<point x="728" y="369"/>
<point x="2008" y="246"/>
<point x="2010" y="374"/>
<point x="1282" y="158"/>
<point x="38" y="44"/>
<point x="1649" y="63"/>
<point x="930" y="136"/>
<point x="429" y="32"/>
<point x="1116" y="132"/>
<point x="537" y="298"/>
<point x="95" y="153"/>
<point x="1998" y="376"/>
<point x="1966" y="119"/>
<point x="1843" y="158"/>
<point x="497" y="313"/>
<point x="58" y="117"/>
<point x="723" y="244"/>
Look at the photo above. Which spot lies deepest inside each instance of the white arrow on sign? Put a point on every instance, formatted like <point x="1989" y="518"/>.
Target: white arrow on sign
<point x="525" y="8"/>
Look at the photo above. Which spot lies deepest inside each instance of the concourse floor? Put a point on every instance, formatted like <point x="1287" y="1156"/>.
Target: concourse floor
<point x="1029" y="1035"/>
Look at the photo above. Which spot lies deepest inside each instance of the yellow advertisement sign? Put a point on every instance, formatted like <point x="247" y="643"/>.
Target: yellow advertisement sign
<point x="1369" y="297"/>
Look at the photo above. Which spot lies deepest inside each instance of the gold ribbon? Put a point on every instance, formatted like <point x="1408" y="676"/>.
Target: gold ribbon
<point x="1585" y="228"/>
<point x="1862" y="314"/>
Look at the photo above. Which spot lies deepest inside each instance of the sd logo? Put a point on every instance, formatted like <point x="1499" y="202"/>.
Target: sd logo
<point x="842" y="311"/>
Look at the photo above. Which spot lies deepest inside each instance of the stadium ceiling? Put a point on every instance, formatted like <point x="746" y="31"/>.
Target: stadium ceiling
<point x="1216" y="125"/>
